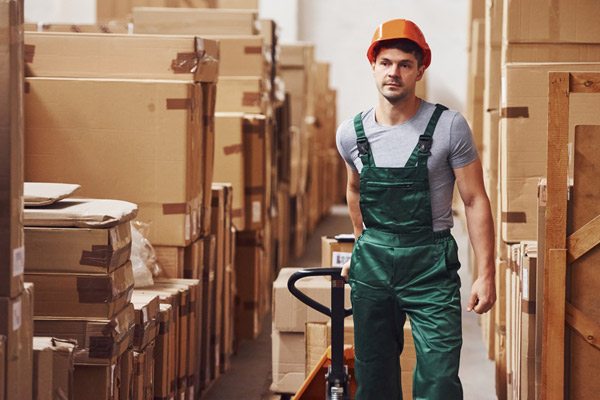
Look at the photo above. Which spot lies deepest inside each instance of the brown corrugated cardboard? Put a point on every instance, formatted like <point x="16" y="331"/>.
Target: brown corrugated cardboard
<point x="297" y="72"/>
<point x="16" y="323"/>
<point x="82" y="295"/>
<point x="218" y="229"/>
<point x="318" y="338"/>
<point x="81" y="213"/>
<point x="82" y="55"/>
<point x="126" y="380"/>
<point x="96" y="382"/>
<point x="209" y="100"/>
<point x="42" y="371"/>
<point x="164" y="172"/>
<point x="2" y="367"/>
<point x="241" y="55"/>
<point x="77" y="250"/>
<point x="249" y="258"/>
<point x="523" y="161"/>
<point x="161" y="353"/>
<point x="242" y="94"/>
<point x="255" y="136"/>
<point x="60" y="354"/>
<point x="171" y="260"/>
<point x="208" y="285"/>
<point x="288" y="361"/>
<point x="146" y="308"/>
<point x="139" y="361"/>
<point x="188" y="21"/>
<point x="335" y="253"/>
<point x="193" y="260"/>
<point x="289" y="313"/>
<point x="11" y="141"/>
<point x="551" y="21"/>
<point x="99" y="341"/>
<point x="43" y="193"/>
<point x="110" y="27"/>
<point x="148" y="392"/>
<point x="550" y="52"/>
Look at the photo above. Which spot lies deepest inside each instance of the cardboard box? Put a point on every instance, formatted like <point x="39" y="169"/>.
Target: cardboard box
<point x="82" y="295"/>
<point x="218" y="229"/>
<point x="528" y="321"/>
<point x="243" y="94"/>
<point x="148" y="389"/>
<point x="193" y="260"/>
<point x="550" y="52"/>
<point x="209" y="94"/>
<point x="551" y="21"/>
<point x="525" y="111"/>
<point x="126" y="388"/>
<point x="476" y="81"/>
<point x="146" y="309"/>
<point x="289" y="313"/>
<point x="77" y="250"/>
<point x="110" y="27"/>
<point x="104" y="379"/>
<point x="335" y="253"/>
<point x="162" y="386"/>
<point x="171" y="260"/>
<point x="12" y="251"/>
<point x="99" y="341"/>
<point x="249" y="258"/>
<point x="164" y="173"/>
<point x="83" y="55"/>
<point x="288" y="361"/>
<point x="53" y="367"/>
<point x="188" y="21"/>
<point x="2" y="367"/>
<point x="296" y="72"/>
<point x="318" y="338"/>
<point x="208" y="285"/>
<point x="16" y="323"/>
<point x="241" y="55"/>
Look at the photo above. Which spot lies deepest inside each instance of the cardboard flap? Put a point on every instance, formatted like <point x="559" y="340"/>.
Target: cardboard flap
<point x="37" y="194"/>
<point x="81" y="213"/>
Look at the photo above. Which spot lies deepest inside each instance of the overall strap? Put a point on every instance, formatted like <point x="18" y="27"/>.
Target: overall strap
<point x="422" y="150"/>
<point x="364" y="150"/>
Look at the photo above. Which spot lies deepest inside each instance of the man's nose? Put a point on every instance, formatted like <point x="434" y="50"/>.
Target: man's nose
<point x="394" y="70"/>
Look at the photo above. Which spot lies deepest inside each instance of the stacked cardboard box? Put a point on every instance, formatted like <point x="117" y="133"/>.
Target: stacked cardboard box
<point x="290" y="317"/>
<point x="52" y="368"/>
<point x="523" y="42"/>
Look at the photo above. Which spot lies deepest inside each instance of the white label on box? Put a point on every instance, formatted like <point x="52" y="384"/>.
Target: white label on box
<point x="256" y="212"/>
<point x="18" y="261"/>
<point x="525" y="284"/>
<point x="194" y="222"/>
<point x="16" y="315"/>
<point x="188" y="227"/>
<point x="339" y="258"/>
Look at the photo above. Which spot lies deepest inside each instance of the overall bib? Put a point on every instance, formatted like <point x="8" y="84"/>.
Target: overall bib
<point x="401" y="267"/>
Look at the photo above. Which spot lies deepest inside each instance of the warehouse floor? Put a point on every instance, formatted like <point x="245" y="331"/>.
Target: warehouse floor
<point x="250" y="375"/>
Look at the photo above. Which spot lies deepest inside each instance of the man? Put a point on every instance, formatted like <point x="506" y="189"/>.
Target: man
<point x="403" y="157"/>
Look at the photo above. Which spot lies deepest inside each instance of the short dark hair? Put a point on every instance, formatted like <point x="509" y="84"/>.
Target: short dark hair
<point x="405" y="45"/>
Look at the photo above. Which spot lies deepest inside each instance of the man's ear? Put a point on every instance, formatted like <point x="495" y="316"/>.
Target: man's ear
<point x="421" y="73"/>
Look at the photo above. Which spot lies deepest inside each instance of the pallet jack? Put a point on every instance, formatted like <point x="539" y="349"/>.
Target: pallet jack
<point x="337" y="379"/>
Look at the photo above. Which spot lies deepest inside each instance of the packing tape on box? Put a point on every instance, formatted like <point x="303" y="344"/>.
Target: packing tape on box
<point x="102" y="255"/>
<point x="514" y="112"/>
<point x="236" y="213"/>
<point x="179" y="104"/>
<point x="192" y="307"/>
<point x="253" y="50"/>
<point x="29" y="52"/>
<point x="163" y="328"/>
<point x="100" y="347"/>
<point x="251" y="99"/>
<point x="184" y="310"/>
<point x="528" y="307"/>
<point x="233" y="149"/>
<point x="255" y="126"/>
<point x="250" y="305"/>
<point x="254" y="190"/>
<point x="182" y="382"/>
<point x="175" y="208"/>
<point x="514" y="217"/>
<point x="185" y="63"/>
<point x="26" y="87"/>
<point x="93" y="290"/>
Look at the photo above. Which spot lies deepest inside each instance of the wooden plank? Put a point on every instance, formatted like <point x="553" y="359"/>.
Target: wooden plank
<point x="556" y="211"/>
<point x="585" y="82"/>
<point x="583" y="325"/>
<point x="585" y="239"/>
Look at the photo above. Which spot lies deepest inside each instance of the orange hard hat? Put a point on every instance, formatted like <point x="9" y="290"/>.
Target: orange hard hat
<point x="400" y="29"/>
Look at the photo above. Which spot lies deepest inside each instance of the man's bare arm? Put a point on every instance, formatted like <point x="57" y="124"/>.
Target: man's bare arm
<point x="353" y="197"/>
<point x="481" y="232"/>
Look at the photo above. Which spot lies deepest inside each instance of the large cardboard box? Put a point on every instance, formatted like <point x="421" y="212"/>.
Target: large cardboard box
<point x="289" y="313"/>
<point x="189" y="21"/>
<point x="146" y="308"/>
<point x="146" y="135"/>
<point x="249" y="258"/>
<point x="12" y="257"/>
<point x="335" y="253"/>
<point x="83" y="55"/>
<point x="288" y="361"/>
<point x="77" y="250"/>
<point x="551" y="21"/>
<point x="296" y="71"/>
<point x="82" y="295"/>
<point x="99" y="341"/>
<point x="53" y="368"/>
<point x="96" y="382"/>
<point x="171" y="260"/>
<point x="241" y="55"/>
<point x="317" y="339"/>
<point x="242" y="94"/>
<point x="523" y="139"/>
<point x="208" y="284"/>
<point x="16" y="323"/>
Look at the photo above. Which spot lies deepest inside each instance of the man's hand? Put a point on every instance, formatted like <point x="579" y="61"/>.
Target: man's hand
<point x="345" y="270"/>
<point x="483" y="295"/>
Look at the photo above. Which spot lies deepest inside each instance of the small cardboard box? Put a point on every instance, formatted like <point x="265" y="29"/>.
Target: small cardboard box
<point x="77" y="250"/>
<point x="288" y="361"/>
<point x="53" y="367"/>
<point x="99" y="341"/>
<point x="146" y="308"/>
<point x="97" y="382"/>
<point x="250" y="257"/>
<point x="82" y="295"/>
<point x="86" y="55"/>
<point x="335" y="253"/>
<point x="162" y="383"/>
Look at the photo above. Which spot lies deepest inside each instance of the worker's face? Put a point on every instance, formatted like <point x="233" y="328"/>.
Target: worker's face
<point x="396" y="74"/>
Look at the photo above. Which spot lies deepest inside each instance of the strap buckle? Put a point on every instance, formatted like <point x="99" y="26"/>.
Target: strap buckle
<point x="363" y="147"/>
<point x="425" y="144"/>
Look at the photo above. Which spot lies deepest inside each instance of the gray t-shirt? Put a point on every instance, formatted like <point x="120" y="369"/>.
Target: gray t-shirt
<point x="453" y="147"/>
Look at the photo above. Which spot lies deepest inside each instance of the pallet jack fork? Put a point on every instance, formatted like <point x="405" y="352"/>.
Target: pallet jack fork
<point x="337" y="379"/>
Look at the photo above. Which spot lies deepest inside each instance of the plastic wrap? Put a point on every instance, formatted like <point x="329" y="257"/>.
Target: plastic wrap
<point x="143" y="256"/>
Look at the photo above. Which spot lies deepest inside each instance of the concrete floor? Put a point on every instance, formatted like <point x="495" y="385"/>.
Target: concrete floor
<point x="250" y="375"/>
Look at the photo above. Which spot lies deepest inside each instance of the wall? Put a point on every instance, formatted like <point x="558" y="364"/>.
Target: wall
<point x="61" y="11"/>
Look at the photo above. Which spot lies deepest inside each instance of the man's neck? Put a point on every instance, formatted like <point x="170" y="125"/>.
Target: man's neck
<point x="389" y="114"/>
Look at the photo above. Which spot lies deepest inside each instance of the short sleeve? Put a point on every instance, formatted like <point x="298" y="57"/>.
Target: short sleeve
<point x="344" y="145"/>
<point x="463" y="150"/>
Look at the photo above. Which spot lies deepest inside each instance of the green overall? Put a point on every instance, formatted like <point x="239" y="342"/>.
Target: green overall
<point x="401" y="267"/>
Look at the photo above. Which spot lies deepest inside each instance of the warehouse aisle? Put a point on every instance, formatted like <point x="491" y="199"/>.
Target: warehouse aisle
<point x="250" y="375"/>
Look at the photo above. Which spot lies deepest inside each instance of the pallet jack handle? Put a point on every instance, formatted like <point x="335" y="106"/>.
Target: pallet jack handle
<point x="337" y="376"/>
